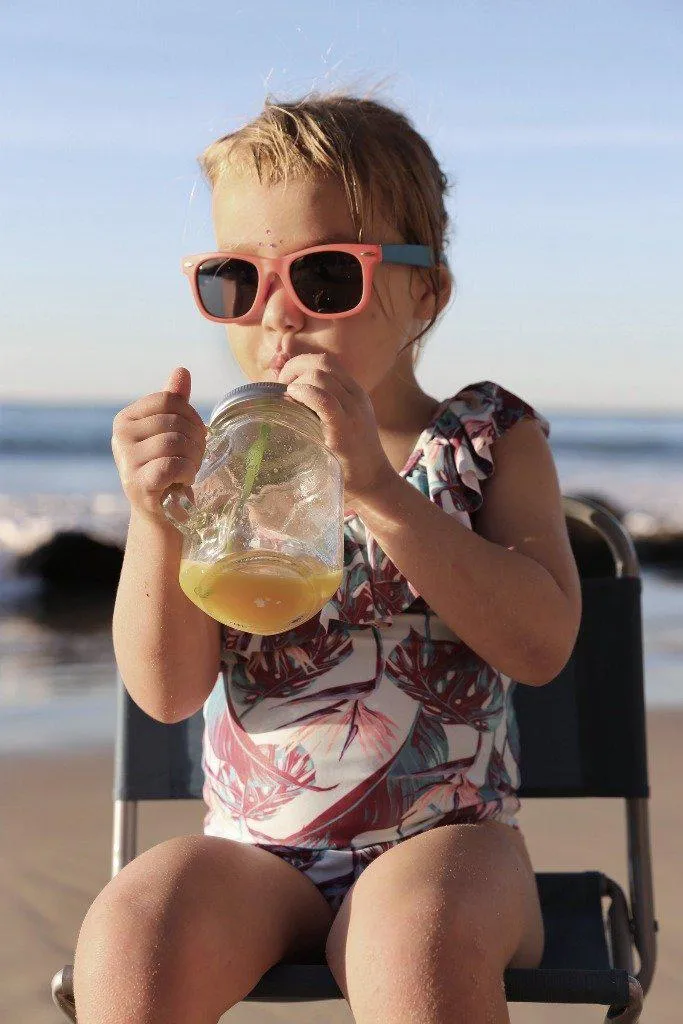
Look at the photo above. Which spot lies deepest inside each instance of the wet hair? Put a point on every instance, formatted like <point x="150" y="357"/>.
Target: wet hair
<point x="382" y="163"/>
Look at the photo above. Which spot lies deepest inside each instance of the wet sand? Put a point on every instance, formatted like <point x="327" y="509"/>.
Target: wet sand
<point x="55" y="848"/>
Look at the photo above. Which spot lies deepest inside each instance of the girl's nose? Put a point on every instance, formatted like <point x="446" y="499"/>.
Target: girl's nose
<point x="280" y="312"/>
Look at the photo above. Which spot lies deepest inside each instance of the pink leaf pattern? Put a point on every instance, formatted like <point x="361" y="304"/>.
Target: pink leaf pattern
<point x="441" y="799"/>
<point x="354" y="720"/>
<point x="251" y="780"/>
<point x="351" y="749"/>
<point x="344" y="712"/>
<point x="449" y="680"/>
<point x="287" y="670"/>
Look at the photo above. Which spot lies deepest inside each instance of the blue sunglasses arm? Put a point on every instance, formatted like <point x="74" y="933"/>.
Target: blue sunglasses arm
<point x="411" y="255"/>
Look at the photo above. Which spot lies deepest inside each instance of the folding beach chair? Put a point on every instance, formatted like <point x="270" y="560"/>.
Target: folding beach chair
<point x="582" y="735"/>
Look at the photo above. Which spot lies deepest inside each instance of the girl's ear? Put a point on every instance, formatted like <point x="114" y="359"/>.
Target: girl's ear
<point x="423" y="292"/>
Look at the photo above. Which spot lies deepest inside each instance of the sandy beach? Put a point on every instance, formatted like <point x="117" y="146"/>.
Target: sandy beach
<point x="55" y="848"/>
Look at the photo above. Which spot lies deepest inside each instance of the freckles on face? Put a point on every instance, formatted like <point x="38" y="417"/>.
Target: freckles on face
<point x="274" y="219"/>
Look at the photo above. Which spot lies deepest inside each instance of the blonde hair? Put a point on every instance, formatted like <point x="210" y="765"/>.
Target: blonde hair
<point x="381" y="161"/>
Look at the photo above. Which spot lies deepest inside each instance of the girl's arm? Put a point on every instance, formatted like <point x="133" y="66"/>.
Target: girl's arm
<point x="511" y="590"/>
<point x="167" y="649"/>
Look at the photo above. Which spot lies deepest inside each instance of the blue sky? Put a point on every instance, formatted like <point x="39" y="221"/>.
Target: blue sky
<point x="560" y="124"/>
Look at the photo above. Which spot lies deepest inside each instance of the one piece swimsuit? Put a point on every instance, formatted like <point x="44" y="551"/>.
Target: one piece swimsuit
<point x="372" y="722"/>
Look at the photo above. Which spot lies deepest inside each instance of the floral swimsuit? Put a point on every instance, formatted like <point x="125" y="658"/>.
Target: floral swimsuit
<point x="373" y="721"/>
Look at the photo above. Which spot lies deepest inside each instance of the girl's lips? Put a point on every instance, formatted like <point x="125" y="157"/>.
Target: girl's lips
<point x="278" y="361"/>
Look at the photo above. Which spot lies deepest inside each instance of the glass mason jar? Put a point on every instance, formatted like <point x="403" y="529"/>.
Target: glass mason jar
<point x="262" y="526"/>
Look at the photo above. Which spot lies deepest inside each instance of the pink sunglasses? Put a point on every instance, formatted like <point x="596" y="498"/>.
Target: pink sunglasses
<point x="324" y="281"/>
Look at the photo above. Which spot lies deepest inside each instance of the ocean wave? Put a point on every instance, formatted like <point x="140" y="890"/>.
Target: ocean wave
<point x="55" y="445"/>
<point x="66" y="445"/>
<point x="28" y="520"/>
<point x="613" y="447"/>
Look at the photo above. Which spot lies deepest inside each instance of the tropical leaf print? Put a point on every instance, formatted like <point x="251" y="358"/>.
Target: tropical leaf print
<point x="300" y="857"/>
<point x="343" y="712"/>
<point x="374" y="729"/>
<point x="425" y="748"/>
<point x="233" y="640"/>
<point x="354" y="599"/>
<point x="481" y="434"/>
<point x="288" y="670"/>
<point x="417" y="475"/>
<point x="423" y="783"/>
<point x="474" y="814"/>
<point x="304" y="633"/>
<point x="453" y="491"/>
<point x="391" y="589"/>
<point x="435" y="801"/>
<point x="380" y="801"/>
<point x="234" y="748"/>
<point x="350" y="717"/>
<point x="279" y="778"/>
<point x="498" y="781"/>
<point x="448" y="680"/>
<point x="346" y="817"/>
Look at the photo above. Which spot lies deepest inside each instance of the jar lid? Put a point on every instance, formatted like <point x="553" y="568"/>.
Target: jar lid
<point x="257" y="389"/>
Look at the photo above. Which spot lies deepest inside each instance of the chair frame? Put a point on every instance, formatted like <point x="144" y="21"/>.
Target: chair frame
<point x="641" y="929"/>
<point x="628" y="927"/>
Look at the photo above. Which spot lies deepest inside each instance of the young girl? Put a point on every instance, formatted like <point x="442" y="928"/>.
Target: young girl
<point x="361" y="769"/>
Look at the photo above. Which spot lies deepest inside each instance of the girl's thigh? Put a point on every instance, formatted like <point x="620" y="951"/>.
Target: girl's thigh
<point x="455" y="891"/>
<point x="196" y="919"/>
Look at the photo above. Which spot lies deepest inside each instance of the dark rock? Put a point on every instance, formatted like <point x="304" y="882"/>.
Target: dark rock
<point x="663" y="552"/>
<point x="70" y="611"/>
<point x="74" y="561"/>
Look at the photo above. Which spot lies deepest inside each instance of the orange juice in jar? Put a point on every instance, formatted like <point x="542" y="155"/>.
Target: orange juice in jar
<point x="263" y="531"/>
<point x="259" y="593"/>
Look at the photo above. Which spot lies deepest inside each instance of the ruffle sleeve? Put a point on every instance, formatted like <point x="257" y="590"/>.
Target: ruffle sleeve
<point x="455" y="454"/>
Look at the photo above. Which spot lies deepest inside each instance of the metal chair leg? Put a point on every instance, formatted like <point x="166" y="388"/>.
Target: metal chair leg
<point x="620" y="935"/>
<point x="63" y="992"/>
<point x="629" y="1014"/>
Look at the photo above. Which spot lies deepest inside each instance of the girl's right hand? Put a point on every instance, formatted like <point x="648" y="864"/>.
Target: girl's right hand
<point x="158" y="441"/>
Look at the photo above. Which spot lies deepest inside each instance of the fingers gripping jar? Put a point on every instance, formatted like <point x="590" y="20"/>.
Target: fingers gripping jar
<point x="263" y="525"/>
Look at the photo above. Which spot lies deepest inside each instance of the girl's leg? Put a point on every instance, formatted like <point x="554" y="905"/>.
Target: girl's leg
<point x="429" y="927"/>
<point x="186" y="930"/>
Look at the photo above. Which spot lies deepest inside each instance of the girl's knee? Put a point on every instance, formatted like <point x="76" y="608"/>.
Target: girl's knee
<point x="409" y="950"/>
<point x="149" y="900"/>
<point x="426" y="918"/>
<point x="139" y="947"/>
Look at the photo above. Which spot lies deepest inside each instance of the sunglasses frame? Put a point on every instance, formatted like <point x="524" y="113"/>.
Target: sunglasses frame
<point x="269" y="267"/>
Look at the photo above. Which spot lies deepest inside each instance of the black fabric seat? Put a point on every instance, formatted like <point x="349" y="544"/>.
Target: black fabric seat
<point x="573" y="918"/>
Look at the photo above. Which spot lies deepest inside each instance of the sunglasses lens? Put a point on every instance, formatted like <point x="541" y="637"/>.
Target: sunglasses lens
<point x="328" y="282"/>
<point x="227" y="288"/>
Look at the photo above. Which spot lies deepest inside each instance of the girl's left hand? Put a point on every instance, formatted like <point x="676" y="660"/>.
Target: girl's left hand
<point x="348" y="419"/>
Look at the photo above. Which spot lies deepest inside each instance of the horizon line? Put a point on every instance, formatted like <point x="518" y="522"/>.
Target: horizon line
<point x="597" y="412"/>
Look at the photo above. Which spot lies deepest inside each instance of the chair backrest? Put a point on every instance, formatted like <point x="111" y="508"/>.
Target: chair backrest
<point x="581" y="735"/>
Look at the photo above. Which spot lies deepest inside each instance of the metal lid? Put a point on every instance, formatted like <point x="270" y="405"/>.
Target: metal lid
<point x="258" y="389"/>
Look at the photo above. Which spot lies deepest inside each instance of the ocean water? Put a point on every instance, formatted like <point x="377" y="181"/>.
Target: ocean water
<point x="57" y="669"/>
